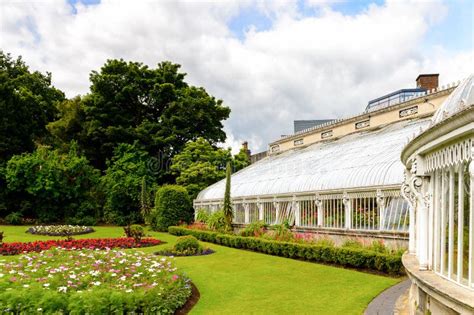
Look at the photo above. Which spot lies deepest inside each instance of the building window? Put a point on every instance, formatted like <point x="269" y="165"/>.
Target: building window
<point x="275" y="148"/>
<point x="408" y="111"/>
<point x="362" y="124"/>
<point x="452" y="234"/>
<point x="326" y="134"/>
<point x="298" y="142"/>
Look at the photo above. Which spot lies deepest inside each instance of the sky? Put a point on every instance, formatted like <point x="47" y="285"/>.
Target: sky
<point x="271" y="62"/>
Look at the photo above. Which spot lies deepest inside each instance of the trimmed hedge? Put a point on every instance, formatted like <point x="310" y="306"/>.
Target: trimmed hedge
<point x="172" y="206"/>
<point x="349" y="257"/>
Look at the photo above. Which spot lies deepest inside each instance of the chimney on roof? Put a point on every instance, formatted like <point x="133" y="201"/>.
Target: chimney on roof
<point x="427" y="81"/>
<point x="245" y="146"/>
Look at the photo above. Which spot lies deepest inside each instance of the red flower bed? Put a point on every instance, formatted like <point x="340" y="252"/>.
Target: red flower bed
<point x="89" y="243"/>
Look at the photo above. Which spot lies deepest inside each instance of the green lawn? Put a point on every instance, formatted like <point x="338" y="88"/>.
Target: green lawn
<point x="233" y="281"/>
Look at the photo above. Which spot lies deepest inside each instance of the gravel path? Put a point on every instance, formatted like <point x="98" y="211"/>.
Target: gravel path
<point x="384" y="303"/>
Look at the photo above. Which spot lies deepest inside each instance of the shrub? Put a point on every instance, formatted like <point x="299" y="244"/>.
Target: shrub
<point x="14" y="218"/>
<point x="324" y="241"/>
<point x="186" y="246"/>
<point x="352" y="243"/>
<point x="254" y="229"/>
<point x="378" y="246"/>
<point x="216" y="221"/>
<point x="202" y="216"/>
<point x="345" y="256"/>
<point x="152" y="287"/>
<point x="172" y="206"/>
<point x="281" y="232"/>
<point x="135" y="231"/>
<point x="85" y="220"/>
<point x="186" y="243"/>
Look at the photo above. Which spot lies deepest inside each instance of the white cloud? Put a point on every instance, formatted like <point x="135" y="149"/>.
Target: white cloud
<point x="325" y="66"/>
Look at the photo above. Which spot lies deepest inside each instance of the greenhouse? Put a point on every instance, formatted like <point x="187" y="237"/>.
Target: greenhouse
<point x="439" y="185"/>
<point x="350" y="183"/>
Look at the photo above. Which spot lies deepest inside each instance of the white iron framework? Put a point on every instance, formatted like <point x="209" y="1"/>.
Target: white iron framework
<point x="349" y="183"/>
<point x="439" y="186"/>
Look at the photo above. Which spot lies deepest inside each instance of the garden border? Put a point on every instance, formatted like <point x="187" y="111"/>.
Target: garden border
<point x="343" y="256"/>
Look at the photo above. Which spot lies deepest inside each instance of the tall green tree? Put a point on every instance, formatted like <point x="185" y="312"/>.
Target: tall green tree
<point x="122" y="183"/>
<point x="199" y="165"/>
<point x="27" y="105"/>
<point x="227" y="201"/>
<point x="69" y="125"/>
<point x="131" y="102"/>
<point x="241" y="160"/>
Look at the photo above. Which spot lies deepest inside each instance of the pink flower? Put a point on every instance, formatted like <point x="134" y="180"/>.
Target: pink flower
<point x="174" y="277"/>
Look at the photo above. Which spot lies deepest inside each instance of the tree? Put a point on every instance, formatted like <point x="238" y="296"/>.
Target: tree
<point x="131" y="102"/>
<point x="122" y="184"/>
<point x="199" y="165"/>
<point x="145" y="201"/>
<point x="69" y="125"/>
<point x="241" y="160"/>
<point x="27" y="105"/>
<point x="227" y="201"/>
<point x="52" y="186"/>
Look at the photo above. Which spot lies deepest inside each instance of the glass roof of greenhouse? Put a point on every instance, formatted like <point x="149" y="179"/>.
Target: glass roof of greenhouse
<point x="460" y="98"/>
<point x="358" y="160"/>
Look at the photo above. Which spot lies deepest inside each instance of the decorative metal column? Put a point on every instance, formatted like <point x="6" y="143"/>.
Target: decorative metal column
<point x="347" y="210"/>
<point x="471" y="222"/>
<point x="246" y="213"/>
<point x="296" y="209"/>
<point x="260" y="210"/>
<point x="319" y="207"/>
<point x="276" y="204"/>
<point x="420" y="187"/>
<point x="408" y="195"/>
<point x="381" y="206"/>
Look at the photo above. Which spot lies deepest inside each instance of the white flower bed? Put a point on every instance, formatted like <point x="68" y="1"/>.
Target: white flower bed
<point x="59" y="230"/>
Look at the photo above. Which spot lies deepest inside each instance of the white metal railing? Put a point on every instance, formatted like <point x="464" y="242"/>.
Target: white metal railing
<point x="396" y="214"/>
<point x="333" y="213"/>
<point x="369" y="210"/>
<point x="286" y="213"/>
<point x="239" y="213"/>
<point x="365" y="213"/>
<point x="309" y="213"/>
<point x="253" y="212"/>
<point x="269" y="212"/>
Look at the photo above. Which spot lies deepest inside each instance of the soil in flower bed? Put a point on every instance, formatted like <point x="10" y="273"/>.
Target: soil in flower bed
<point x="167" y="252"/>
<point x="192" y="300"/>
<point x="91" y="243"/>
<point x="59" y="230"/>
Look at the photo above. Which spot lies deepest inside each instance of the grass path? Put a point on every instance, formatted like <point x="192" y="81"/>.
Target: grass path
<point x="233" y="281"/>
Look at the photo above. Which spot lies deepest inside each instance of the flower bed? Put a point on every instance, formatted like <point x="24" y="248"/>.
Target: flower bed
<point x="345" y="256"/>
<point x="91" y="282"/>
<point x="92" y="243"/>
<point x="59" y="230"/>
